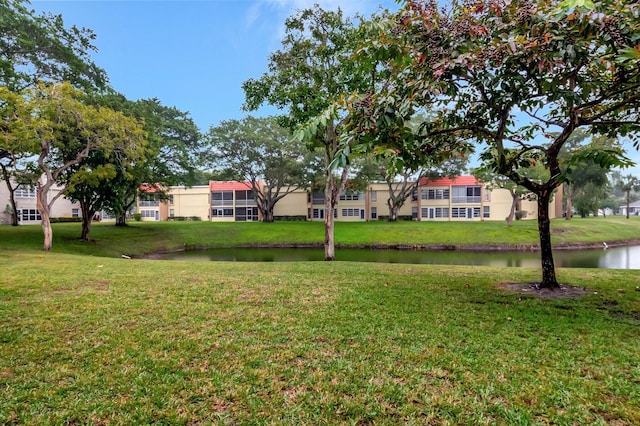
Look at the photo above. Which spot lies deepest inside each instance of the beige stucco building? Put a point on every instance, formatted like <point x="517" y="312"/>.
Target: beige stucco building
<point x="28" y="213"/>
<point x="460" y="199"/>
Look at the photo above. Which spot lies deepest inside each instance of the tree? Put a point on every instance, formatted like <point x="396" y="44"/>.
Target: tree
<point x="261" y="152"/>
<point x="64" y="131"/>
<point x="493" y="180"/>
<point x="404" y="183"/>
<point x="37" y="48"/>
<point x="170" y="156"/>
<point x="510" y="74"/>
<point x="14" y="137"/>
<point x="629" y="183"/>
<point x="313" y="69"/>
<point x="90" y="182"/>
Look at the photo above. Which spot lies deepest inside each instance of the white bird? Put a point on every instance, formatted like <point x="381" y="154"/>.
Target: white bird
<point x="605" y="245"/>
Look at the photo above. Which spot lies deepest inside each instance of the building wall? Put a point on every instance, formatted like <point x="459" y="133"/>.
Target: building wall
<point x="378" y="194"/>
<point x="26" y="200"/>
<point x="438" y="200"/>
<point x="292" y="204"/>
<point x="189" y="202"/>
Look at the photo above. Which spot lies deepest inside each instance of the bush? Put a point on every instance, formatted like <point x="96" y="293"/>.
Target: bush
<point x="184" y="219"/>
<point x="65" y="219"/>
<point x="137" y="217"/>
<point x="400" y="218"/>
<point x="299" y="218"/>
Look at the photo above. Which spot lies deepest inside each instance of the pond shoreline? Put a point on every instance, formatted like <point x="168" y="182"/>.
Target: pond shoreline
<point x="487" y="248"/>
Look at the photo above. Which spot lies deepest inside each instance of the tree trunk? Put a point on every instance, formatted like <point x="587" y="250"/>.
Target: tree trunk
<point x="87" y="217"/>
<point x="628" y="202"/>
<point x="14" y="208"/>
<point x="546" y="253"/>
<point x="12" y="197"/>
<point x="121" y="219"/>
<point x="512" y="212"/>
<point x="267" y="215"/>
<point x="569" y="208"/>
<point x="329" y="239"/>
<point x="43" y="208"/>
<point x="393" y="212"/>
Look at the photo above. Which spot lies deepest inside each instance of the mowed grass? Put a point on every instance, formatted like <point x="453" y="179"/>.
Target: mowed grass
<point x="147" y="237"/>
<point x="86" y="339"/>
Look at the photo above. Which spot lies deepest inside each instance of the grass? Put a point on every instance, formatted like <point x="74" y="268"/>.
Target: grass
<point x="86" y="339"/>
<point x="147" y="237"/>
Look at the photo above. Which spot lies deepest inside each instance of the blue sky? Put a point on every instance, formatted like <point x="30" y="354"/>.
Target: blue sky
<point x="193" y="55"/>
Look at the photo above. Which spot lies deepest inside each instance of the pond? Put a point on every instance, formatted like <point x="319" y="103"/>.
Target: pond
<point x="612" y="258"/>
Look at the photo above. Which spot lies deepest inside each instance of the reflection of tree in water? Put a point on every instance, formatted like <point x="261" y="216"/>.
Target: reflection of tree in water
<point x="614" y="258"/>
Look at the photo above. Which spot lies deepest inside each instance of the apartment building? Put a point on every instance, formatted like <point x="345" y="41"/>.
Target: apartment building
<point x="28" y="213"/>
<point x="459" y="199"/>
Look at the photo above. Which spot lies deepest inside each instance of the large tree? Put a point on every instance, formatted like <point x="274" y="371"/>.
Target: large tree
<point x="519" y="77"/>
<point x="39" y="47"/>
<point x="311" y="71"/>
<point x="63" y="131"/>
<point x="170" y="157"/>
<point x="261" y="152"/>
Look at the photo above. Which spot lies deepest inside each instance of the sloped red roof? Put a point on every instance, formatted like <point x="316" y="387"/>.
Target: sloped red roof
<point x="150" y="187"/>
<point x="229" y="186"/>
<point x="459" y="180"/>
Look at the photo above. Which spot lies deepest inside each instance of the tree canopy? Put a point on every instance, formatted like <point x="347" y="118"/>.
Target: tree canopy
<point x="518" y="77"/>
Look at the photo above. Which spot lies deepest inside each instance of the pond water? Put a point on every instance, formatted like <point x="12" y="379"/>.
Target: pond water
<point x="613" y="258"/>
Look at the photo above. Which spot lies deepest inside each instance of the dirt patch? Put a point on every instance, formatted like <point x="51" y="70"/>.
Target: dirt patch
<point x="531" y="288"/>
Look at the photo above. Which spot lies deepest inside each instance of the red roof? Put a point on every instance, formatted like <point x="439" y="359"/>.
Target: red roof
<point x="229" y="186"/>
<point x="150" y="187"/>
<point x="460" y="180"/>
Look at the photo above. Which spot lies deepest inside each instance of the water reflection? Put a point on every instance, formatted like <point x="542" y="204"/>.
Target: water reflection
<point x="613" y="258"/>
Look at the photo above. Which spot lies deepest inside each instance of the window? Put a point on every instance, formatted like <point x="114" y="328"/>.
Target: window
<point x="221" y="212"/>
<point x="172" y="212"/>
<point x="476" y="212"/>
<point x="414" y="213"/>
<point x="75" y="213"/>
<point x="466" y="194"/>
<point x="171" y="199"/>
<point x="487" y="195"/>
<point x="29" y="215"/>
<point x="457" y="212"/>
<point x="148" y="213"/>
<point x="22" y="192"/>
<point x="222" y="198"/>
<point x="435" y="212"/>
<point x="435" y="194"/>
<point x="374" y="213"/>
<point x="317" y="197"/>
<point x="486" y="211"/>
<point x="354" y="196"/>
<point x="374" y="195"/>
<point x="350" y="212"/>
<point x="148" y="200"/>
<point x="244" y="198"/>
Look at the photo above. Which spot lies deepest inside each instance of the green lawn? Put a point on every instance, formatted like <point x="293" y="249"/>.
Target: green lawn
<point x="86" y="339"/>
<point x="146" y="237"/>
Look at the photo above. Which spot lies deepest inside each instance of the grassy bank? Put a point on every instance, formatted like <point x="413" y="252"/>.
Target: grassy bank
<point x="115" y="341"/>
<point x="87" y="337"/>
<point x="146" y="237"/>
